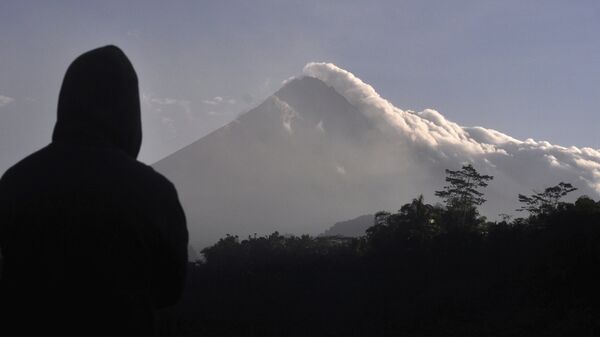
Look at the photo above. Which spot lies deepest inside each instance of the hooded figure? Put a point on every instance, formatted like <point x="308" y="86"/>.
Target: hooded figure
<point x="93" y="241"/>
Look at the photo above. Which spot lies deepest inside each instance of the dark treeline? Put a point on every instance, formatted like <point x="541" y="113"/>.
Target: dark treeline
<point x="424" y="270"/>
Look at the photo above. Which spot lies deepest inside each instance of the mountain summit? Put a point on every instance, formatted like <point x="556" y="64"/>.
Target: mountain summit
<point x="326" y="147"/>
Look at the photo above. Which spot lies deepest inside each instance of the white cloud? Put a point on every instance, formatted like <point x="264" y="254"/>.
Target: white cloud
<point x="5" y="100"/>
<point x="286" y="81"/>
<point x="172" y="114"/>
<point x="217" y="100"/>
<point x="320" y="126"/>
<point x="134" y="33"/>
<point x="157" y="102"/>
<point x="288" y="113"/>
<point x="521" y="162"/>
<point x="209" y="102"/>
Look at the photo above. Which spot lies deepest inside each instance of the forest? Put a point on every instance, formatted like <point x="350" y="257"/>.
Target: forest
<point x="425" y="270"/>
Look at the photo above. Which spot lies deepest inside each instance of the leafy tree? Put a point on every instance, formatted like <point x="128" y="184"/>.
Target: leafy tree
<point x="424" y="219"/>
<point x="411" y="228"/>
<point x="505" y="217"/>
<point x="381" y="217"/>
<point x="520" y="278"/>
<point x="547" y="201"/>
<point x="587" y="205"/>
<point x="462" y="192"/>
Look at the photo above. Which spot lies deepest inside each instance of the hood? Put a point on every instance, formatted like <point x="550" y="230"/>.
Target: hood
<point x="99" y="102"/>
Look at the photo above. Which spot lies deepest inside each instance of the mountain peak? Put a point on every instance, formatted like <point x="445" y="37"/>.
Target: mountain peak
<point x="327" y="146"/>
<point x="446" y="141"/>
<point x="322" y="106"/>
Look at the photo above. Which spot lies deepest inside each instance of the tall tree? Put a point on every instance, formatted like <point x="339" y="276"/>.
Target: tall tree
<point x="546" y="201"/>
<point x="462" y="192"/>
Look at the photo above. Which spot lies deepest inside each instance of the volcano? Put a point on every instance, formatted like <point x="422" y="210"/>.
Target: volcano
<point x="326" y="147"/>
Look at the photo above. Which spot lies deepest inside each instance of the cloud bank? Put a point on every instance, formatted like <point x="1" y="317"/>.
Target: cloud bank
<point x="5" y="100"/>
<point x="529" y="163"/>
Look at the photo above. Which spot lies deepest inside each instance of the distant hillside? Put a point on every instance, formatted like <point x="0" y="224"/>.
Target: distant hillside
<point x="351" y="228"/>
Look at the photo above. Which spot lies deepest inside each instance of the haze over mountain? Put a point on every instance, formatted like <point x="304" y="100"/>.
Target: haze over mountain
<point x="351" y="228"/>
<point x="326" y="147"/>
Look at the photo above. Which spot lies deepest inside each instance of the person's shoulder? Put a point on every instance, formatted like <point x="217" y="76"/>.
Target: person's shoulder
<point x="147" y="172"/>
<point x="25" y="165"/>
<point x="150" y="172"/>
<point x="156" y="189"/>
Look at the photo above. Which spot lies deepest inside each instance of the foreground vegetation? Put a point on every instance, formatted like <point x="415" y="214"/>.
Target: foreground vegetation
<point x="425" y="270"/>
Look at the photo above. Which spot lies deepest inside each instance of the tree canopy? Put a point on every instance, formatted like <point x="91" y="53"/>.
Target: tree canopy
<point x="463" y="187"/>
<point x="547" y="201"/>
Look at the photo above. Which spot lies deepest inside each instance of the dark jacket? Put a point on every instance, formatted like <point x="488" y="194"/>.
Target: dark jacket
<point x="93" y="240"/>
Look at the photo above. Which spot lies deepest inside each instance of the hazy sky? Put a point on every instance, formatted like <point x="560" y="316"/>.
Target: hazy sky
<point x="526" y="68"/>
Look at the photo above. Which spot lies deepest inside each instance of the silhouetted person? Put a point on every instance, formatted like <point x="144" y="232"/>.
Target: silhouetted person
<point x="93" y="240"/>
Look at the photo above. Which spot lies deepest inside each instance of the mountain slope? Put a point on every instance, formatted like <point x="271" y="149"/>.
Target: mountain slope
<point x="351" y="228"/>
<point x="302" y="159"/>
<point x="327" y="147"/>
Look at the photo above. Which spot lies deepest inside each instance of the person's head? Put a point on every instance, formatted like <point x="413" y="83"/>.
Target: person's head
<point x="99" y="102"/>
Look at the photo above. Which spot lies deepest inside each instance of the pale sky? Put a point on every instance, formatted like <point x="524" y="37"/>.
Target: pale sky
<point x="530" y="69"/>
